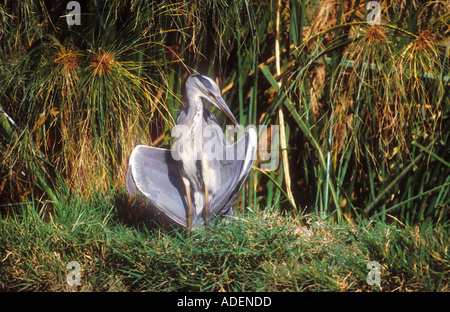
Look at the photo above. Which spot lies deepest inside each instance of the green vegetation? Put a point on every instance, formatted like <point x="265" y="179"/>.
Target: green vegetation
<point x="267" y="252"/>
<point x="364" y="154"/>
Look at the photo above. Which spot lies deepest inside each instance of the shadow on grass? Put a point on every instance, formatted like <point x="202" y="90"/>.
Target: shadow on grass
<point x="136" y="210"/>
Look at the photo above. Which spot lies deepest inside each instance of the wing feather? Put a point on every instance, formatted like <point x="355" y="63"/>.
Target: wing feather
<point x="234" y="170"/>
<point x="154" y="172"/>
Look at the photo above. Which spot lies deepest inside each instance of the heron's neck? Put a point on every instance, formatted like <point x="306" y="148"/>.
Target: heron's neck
<point x="194" y="120"/>
<point x="195" y="109"/>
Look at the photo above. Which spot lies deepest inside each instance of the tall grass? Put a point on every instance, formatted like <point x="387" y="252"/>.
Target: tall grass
<point x="266" y="252"/>
<point x="364" y="107"/>
<point x="362" y="98"/>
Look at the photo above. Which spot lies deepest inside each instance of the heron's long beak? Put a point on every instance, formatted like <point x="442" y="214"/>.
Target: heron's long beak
<point x="220" y="103"/>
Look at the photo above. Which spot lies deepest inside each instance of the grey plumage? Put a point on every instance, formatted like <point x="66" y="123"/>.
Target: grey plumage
<point x="201" y="162"/>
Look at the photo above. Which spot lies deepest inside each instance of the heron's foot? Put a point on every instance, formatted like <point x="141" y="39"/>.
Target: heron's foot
<point x="206" y="211"/>
<point x="189" y="226"/>
<point x="190" y="218"/>
<point x="190" y="212"/>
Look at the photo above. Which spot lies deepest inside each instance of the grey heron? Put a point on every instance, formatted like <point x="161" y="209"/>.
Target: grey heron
<point x="201" y="175"/>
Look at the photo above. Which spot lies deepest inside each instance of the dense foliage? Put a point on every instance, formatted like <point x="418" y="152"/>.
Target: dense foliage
<point x="363" y="109"/>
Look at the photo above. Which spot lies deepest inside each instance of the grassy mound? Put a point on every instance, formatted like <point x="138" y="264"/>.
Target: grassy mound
<point x="265" y="251"/>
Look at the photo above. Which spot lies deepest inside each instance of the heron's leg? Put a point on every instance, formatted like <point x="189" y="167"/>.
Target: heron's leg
<point x="206" y="211"/>
<point x="190" y="212"/>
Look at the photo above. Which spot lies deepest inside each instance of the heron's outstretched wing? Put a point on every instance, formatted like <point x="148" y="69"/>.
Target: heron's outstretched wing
<point x="154" y="172"/>
<point x="234" y="169"/>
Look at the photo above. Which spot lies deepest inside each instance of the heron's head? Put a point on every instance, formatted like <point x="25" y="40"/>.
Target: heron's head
<point x="205" y="87"/>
